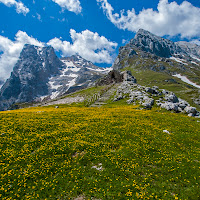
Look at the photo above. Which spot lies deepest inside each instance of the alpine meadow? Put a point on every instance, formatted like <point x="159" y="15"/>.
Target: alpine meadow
<point x="99" y="100"/>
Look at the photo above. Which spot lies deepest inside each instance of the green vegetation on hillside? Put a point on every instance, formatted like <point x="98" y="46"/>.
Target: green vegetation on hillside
<point x="99" y="153"/>
<point x="164" y="81"/>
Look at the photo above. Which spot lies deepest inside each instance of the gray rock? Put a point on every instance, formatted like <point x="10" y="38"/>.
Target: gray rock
<point x="182" y="104"/>
<point x="153" y="90"/>
<point x="180" y="109"/>
<point x="118" y="97"/>
<point x="127" y="76"/>
<point x="148" y="102"/>
<point x="165" y="92"/>
<point x="131" y="100"/>
<point x="169" y="106"/>
<point x="190" y="110"/>
<point x="190" y="48"/>
<point x="171" y="98"/>
<point x="191" y="115"/>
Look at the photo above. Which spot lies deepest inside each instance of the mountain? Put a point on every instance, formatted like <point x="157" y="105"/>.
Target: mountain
<point x="39" y="74"/>
<point x="157" y="61"/>
<point x="148" y="42"/>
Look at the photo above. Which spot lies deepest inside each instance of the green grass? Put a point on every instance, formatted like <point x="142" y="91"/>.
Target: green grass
<point x="48" y="153"/>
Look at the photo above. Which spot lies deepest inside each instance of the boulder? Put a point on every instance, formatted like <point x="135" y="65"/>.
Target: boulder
<point x="127" y="76"/>
<point x="190" y="110"/>
<point x="169" y="106"/>
<point x="165" y="92"/>
<point x="116" y="76"/>
<point x="182" y="104"/>
<point x="118" y="97"/>
<point x="113" y="76"/>
<point x="191" y="115"/>
<point x="148" y="102"/>
<point x="171" y="98"/>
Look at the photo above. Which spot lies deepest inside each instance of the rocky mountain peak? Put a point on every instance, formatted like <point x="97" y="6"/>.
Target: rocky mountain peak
<point x="144" y="33"/>
<point x="149" y="42"/>
<point x="30" y="75"/>
<point x="39" y="74"/>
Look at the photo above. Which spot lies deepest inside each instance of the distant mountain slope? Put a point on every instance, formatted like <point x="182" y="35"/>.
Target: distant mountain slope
<point x="39" y="74"/>
<point x="78" y="73"/>
<point x="157" y="61"/>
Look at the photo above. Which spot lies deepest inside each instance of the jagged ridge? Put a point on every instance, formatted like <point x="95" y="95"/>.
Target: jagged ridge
<point x="39" y="74"/>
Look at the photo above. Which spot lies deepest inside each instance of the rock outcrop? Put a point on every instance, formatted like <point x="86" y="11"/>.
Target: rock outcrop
<point x="148" y="97"/>
<point x="116" y="76"/>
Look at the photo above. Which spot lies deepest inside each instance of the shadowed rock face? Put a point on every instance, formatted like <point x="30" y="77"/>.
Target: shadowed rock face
<point x="113" y="76"/>
<point x="116" y="76"/>
<point x="30" y="75"/>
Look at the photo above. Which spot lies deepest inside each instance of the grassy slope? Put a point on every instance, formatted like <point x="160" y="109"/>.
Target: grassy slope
<point x="48" y="153"/>
<point x="152" y="78"/>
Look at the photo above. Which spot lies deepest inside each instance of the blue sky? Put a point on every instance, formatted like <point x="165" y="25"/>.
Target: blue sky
<point x="92" y="28"/>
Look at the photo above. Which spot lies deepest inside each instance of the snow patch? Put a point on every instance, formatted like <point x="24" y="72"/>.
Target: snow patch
<point x="194" y="57"/>
<point x="72" y="82"/>
<point x="70" y="66"/>
<point x="186" y="80"/>
<point x="39" y="50"/>
<point x="178" y="60"/>
<point x="53" y="85"/>
<point x="73" y="75"/>
<point x="43" y="97"/>
<point x="194" y="62"/>
<point x="100" y="70"/>
<point x="63" y="72"/>
<point x="54" y="95"/>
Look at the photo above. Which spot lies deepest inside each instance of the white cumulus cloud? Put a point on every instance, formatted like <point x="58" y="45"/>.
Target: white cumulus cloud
<point x="20" y="7"/>
<point x="71" y="5"/>
<point x="11" y="50"/>
<point x="169" y="19"/>
<point x="87" y="44"/>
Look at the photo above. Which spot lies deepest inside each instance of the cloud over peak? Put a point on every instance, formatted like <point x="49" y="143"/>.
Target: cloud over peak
<point x="87" y="44"/>
<point x="20" y="7"/>
<point x="71" y="5"/>
<point x="169" y="19"/>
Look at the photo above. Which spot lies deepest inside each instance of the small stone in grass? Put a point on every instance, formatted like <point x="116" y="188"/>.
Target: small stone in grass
<point x="165" y="131"/>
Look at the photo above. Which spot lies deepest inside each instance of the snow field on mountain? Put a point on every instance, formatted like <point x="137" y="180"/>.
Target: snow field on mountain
<point x="186" y="80"/>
